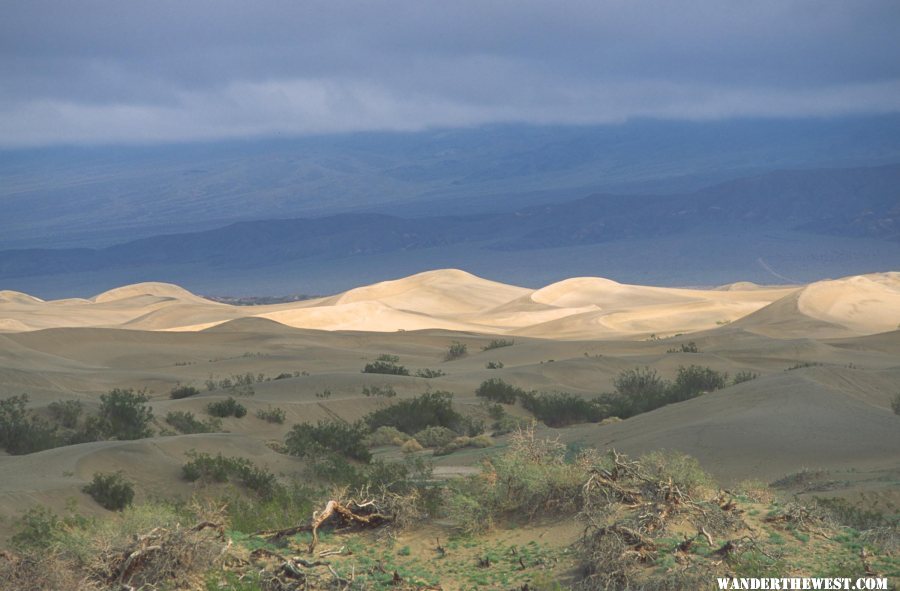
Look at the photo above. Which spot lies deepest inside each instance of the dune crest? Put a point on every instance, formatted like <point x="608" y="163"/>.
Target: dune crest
<point x="451" y="299"/>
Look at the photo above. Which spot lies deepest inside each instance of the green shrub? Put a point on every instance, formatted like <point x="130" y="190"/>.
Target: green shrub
<point x="455" y="351"/>
<point x="431" y="409"/>
<point x="386" y="367"/>
<point x="111" y="491"/>
<point x="387" y="358"/>
<point x="383" y="436"/>
<point x="21" y="433"/>
<point x="744" y="376"/>
<point x="272" y="415"/>
<point x="684" y="470"/>
<point x="493" y="365"/>
<point x="179" y="392"/>
<point x="429" y="373"/>
<point x="531" y="478"/>
<point x="496" y="390"/>
<point x="36" y="528"/>
<point x="508" y="424"/>
<point x="639" y="390"/>
<point x="694" y="380"/>
<point x="345" y="439"/>
<point x="185" y="422"/>
<point x="559" y="409"/>
<point x="382" y="391"/>
<point x="288" y="503"/>
<point x="685" y="348"/>
<point x="125" y="414"/>
<point x="498" y="343"/>
<point x="480" y="441"/>
<point x="435" y="436"/>
<point x="219" y="468"/>
<point x="226" y="408"/>
<point x="66" y="412"/>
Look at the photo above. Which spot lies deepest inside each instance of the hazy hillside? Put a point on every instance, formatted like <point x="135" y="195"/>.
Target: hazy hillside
<point x="99" y="196"/>
<point x="783" y="226"/>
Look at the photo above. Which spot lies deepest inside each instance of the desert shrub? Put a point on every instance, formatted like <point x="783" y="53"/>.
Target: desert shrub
<point x="95" y="555"/>
<point x="388" y="358"/>
<point x="66" y="412"/>
<point x="531" y="478"/>
<point x="508" y="424"/>
<point x="272" y="415"/>
<point x="684" y="470"/>
<point x="558" y="409"/>
<point x="637" y="390"/>
<point x="429" y="373"/>
<point x="345" y="439"/>
<point x="219" y="468"/>
<point x="690" y="347"/>
<point x="744" y="376"/>
<point x="226" y="408"/>
<point x="111" y="490"/>
<point x="858" y="517"/>
<point x="36" y="528"/>
<point x="411" y="446"/>
<point x="21" y="433"/>
<point x="382" y="391"/>
<point x="414" y="414"/>
<point x="455" y="351"/>
<point x="287" y="503"/>
<point x="386" y="436"/>
<point x="185" y="422"/>
<point x="179" y="392"/>
<point x="125" y="414"/>
<point x="385" y="367"/>
<point x="895" y="404"/>
<point x="498" y="343"/>
<point x="493" y="365"/>
<point x="435" y="436"/>
<point x="694" y="380"/>
<point x="480" y="441"/>
<point x="496" y="390"/>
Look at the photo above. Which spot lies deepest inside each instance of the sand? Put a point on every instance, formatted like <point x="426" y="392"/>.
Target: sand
<point x="449" y="299"/>
<point x="832" y="413"/>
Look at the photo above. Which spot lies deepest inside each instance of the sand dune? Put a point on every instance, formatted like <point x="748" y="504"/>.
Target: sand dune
<point x="449" y="299"/>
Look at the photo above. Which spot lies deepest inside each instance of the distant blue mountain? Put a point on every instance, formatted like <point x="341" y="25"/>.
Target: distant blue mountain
<point x="805" y="209"/>
<point x="92" y="197"/>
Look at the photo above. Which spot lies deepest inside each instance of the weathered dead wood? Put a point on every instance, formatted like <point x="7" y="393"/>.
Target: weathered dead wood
<point x="335" y="508"/>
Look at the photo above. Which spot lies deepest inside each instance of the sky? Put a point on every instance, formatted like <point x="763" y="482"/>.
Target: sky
<point x="144" y="72"/>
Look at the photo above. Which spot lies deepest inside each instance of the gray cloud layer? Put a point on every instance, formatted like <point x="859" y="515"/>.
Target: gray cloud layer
<point x="173" y="70"/>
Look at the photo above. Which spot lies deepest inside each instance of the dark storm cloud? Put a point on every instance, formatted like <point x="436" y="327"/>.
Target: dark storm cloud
<point x="138" y="71"/>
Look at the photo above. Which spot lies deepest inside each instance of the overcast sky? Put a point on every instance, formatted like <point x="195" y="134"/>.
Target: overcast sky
<point x="138" y="71"/>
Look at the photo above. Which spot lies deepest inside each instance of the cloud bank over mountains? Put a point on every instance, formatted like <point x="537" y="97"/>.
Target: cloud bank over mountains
<point x="146" y="72"/>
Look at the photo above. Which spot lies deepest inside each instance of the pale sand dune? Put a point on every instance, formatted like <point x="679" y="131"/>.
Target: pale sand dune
<point x="865" y="304"/>
<point x="448" y="299"/>
<point x="440" y="293"/>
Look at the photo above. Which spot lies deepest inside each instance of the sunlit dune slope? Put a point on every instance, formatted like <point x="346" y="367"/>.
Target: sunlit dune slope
<point x="450" y="299"/>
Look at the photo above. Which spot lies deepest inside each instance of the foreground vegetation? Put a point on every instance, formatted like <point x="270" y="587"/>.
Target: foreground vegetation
<point x="654" y="522"/>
